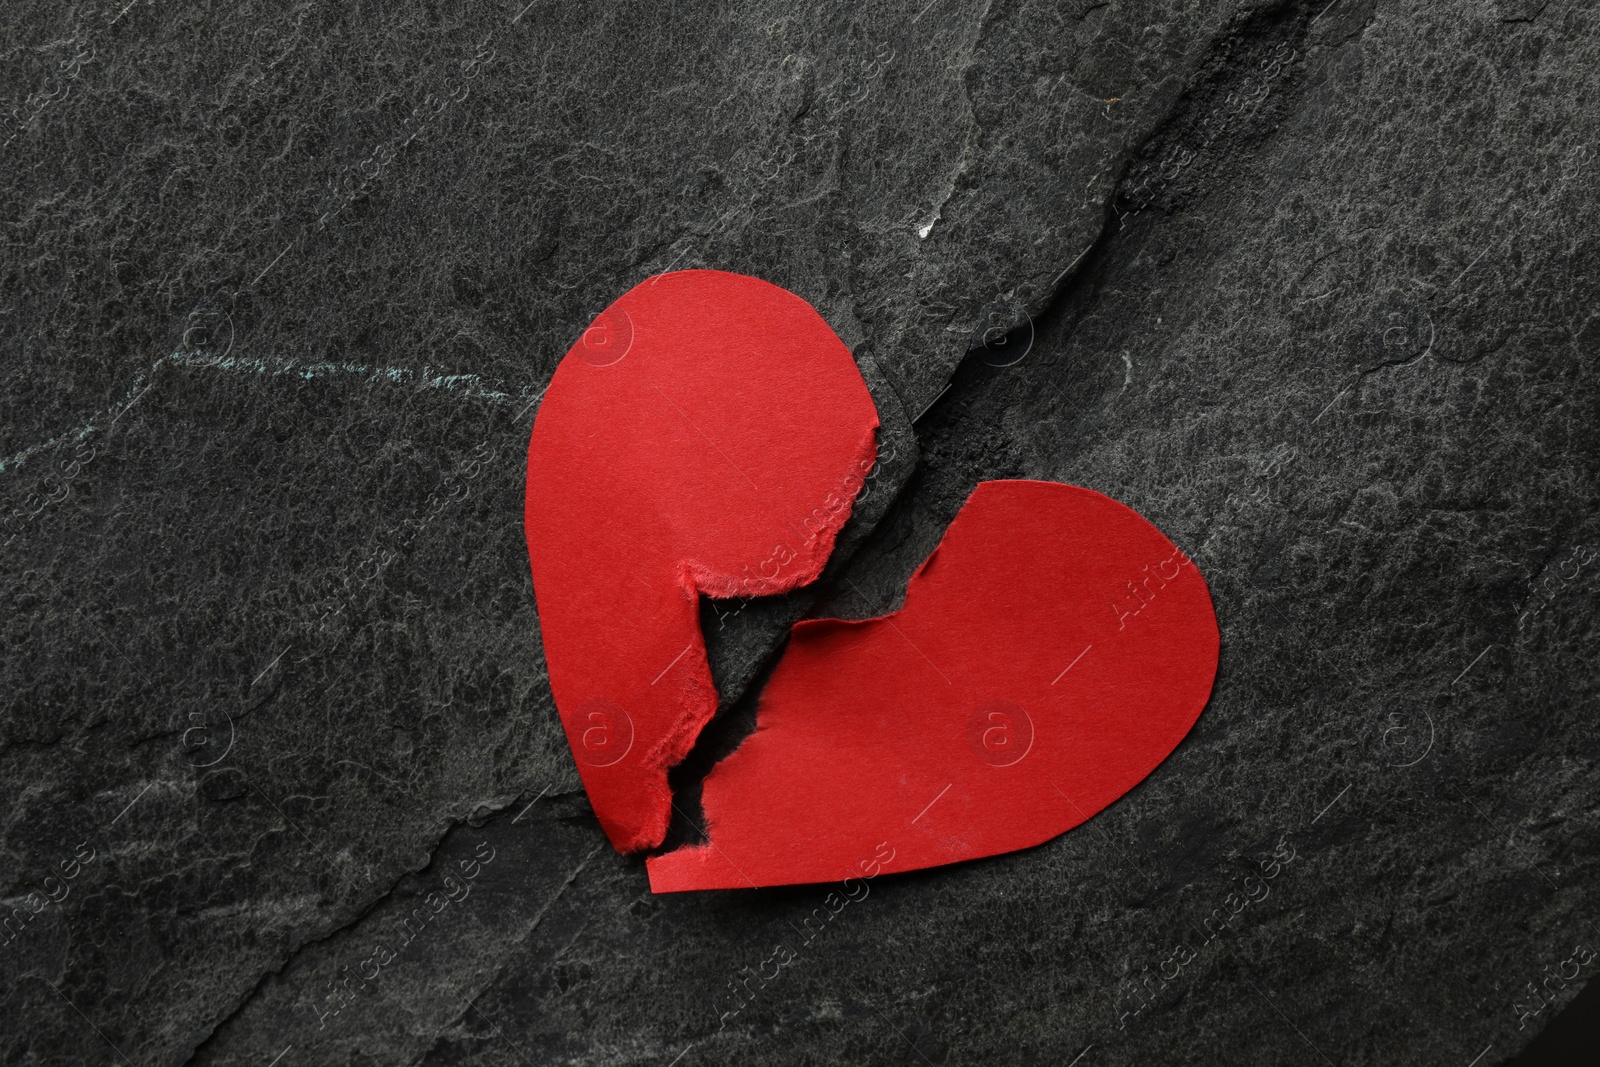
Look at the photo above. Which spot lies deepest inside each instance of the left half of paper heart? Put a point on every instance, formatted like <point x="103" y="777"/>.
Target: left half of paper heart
<point x="705" y="435"/>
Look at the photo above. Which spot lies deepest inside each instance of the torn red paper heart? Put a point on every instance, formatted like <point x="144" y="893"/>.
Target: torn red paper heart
<point x="708" y="434"/>
<point x="1053" y="650"/>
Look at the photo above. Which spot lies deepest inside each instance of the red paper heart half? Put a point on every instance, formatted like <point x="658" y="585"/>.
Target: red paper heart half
<point x="1051" y="652"/>
<point x="708" y="433"/>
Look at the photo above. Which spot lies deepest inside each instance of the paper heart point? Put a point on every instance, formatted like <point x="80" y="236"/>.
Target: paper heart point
<point x="707" y="435"/>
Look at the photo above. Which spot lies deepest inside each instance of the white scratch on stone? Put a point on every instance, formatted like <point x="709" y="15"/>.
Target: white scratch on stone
<point x="471" y="385"/>
<point x="131" y="803"/>
<point x="1331" y="803"/>
<point x="1471" y="665"/>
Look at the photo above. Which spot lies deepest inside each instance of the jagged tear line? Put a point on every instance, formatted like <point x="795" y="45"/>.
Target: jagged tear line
<point x="686" y="765"/>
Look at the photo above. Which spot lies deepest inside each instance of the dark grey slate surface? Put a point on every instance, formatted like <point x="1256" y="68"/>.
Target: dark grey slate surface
<point x="1312" y="286"/>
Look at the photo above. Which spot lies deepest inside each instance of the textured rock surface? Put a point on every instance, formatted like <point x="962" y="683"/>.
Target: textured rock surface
<point x="1312" y="286"/>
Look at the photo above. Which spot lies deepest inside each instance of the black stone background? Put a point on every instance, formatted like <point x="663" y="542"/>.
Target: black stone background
<point x="1312" y="286"/>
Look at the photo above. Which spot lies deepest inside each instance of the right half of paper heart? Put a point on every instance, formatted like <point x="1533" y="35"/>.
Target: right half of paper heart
<point x="1051" y="652"/>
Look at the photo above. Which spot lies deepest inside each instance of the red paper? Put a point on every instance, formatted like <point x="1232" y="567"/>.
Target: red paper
<point x="1050" y="654"/>
<point x="707" y="434"/>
